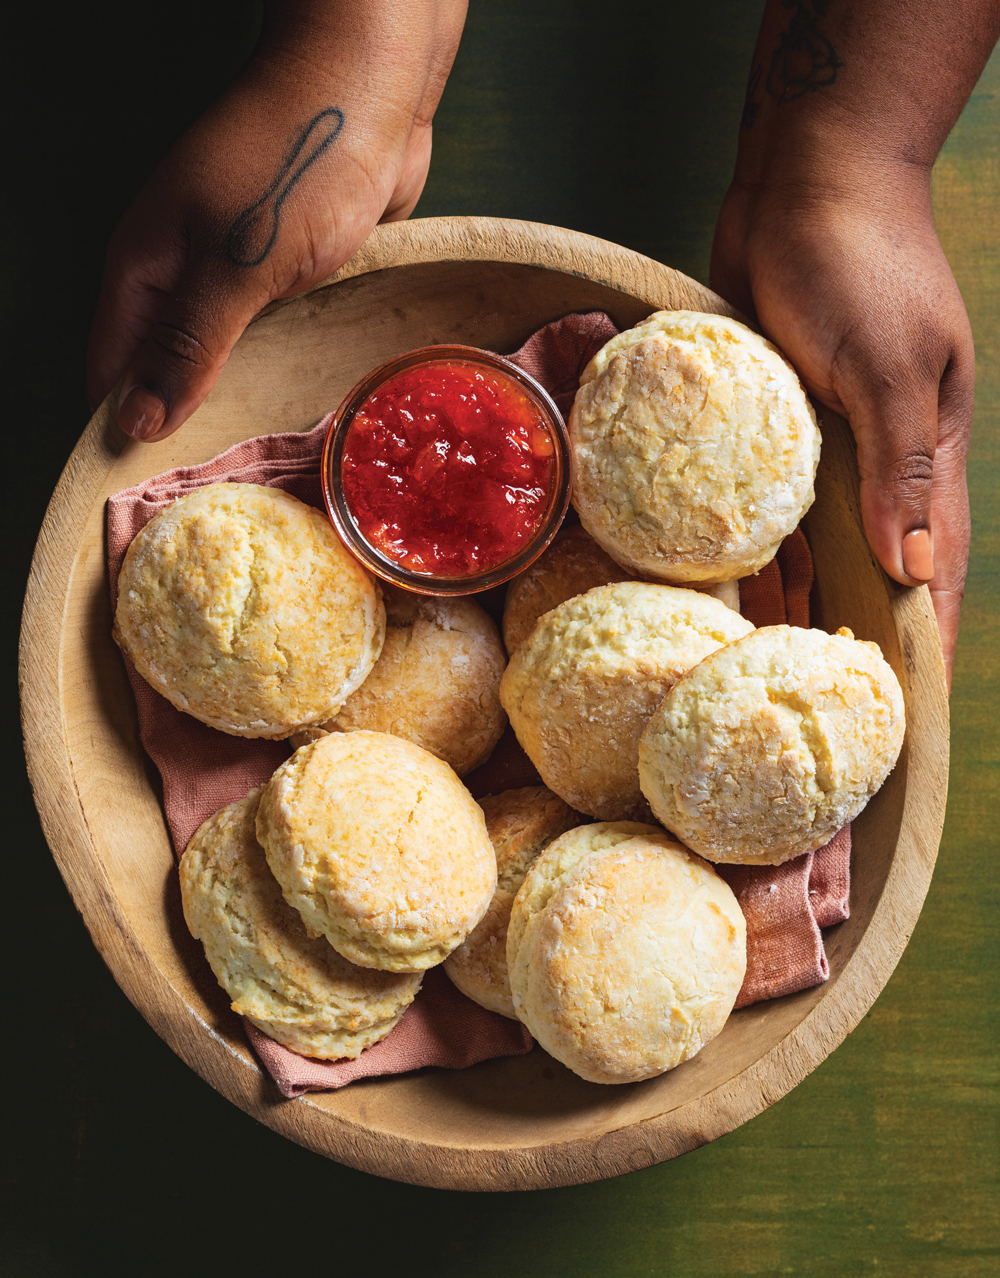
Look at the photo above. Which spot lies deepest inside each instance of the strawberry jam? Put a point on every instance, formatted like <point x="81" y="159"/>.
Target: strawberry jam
<point x="447" y="468"/>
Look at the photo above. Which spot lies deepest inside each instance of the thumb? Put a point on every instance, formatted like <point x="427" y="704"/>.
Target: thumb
<point x="897" y="436"/>
<point x="183" y="353"/>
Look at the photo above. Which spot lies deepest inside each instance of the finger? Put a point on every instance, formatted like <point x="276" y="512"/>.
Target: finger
<point x="449" y="19"/>
<point x="950" y="514"/>
<point x="950" y="497"/>
<point x="728" y="275"/>
<point x="144" y="261"/>
<point x="184" y="352"/>
<point x="894" y="418"/>
<point x="126" y="311"/>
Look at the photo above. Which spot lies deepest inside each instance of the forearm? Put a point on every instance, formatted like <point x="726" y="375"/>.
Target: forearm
<point x="389" y="57"/>
<point x="859" y="84"/>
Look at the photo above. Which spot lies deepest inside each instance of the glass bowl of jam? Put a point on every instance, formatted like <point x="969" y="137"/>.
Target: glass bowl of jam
<point x="447" y="470"/>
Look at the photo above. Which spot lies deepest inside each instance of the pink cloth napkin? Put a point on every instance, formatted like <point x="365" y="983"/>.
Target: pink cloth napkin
<point x="202" y="770"/>
<point x="787" y="905"/>
<point x="440" y="1027"/>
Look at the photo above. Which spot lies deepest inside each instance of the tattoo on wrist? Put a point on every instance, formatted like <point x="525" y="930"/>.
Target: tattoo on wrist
<point x="803" y="62"/>
<point x="254" y="231"/>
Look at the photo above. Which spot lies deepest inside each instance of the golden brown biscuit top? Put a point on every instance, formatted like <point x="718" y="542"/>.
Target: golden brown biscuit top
<point x="257" y="944"/>
<point x="380" y="847"/>
<point x="561" y="856"/>
<point x="627" y="628"/>
<point x="572" y="565"/>
<point x="436" y="682"/>
<point x="626" y="951"/>
<point x="581" y="688"/>
<point x="520" y="823"/>
<point x="766" y="748"/>
<point x="239" y="604"/>
<point x="695" y="448"/>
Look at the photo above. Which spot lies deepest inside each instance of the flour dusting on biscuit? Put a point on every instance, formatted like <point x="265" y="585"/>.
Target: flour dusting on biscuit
<point x="695" y="448"/>
<point x="626" y="952"/>
<point x="768" y="747"/>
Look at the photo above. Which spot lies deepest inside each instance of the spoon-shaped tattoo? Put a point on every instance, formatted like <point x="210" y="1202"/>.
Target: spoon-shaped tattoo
<point x="252" y="234"/>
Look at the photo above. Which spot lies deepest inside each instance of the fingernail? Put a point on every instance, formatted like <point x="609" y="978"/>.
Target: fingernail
<point x="141" y="413"/>
<point x="918" y="555"/>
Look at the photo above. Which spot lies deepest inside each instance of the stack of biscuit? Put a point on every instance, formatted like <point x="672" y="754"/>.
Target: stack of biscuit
<point x="633" y="684"/>
<point x="288" y="981"/>
<point x="321" y="898"/>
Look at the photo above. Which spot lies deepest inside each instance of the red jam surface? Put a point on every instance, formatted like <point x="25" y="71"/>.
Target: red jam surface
<point x="447" y="468"/>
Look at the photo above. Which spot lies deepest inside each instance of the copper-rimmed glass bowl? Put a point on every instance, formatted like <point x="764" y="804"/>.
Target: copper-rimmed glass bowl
<point x="342" y="518"/>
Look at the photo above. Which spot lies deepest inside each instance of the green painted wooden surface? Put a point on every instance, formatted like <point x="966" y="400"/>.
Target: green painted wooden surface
<point x="122" y="1162"/>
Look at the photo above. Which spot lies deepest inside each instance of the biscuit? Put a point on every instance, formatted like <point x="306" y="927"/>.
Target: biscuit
<point x="727" y="592"/>
<point x="695" y="448"/>
<point x="379" y="847"/>
<point x="297" y="989"/>
<point x="521" y="824"/>
<point x="240" y="606"/>
<point x="436" y="682"/>
<point x="626" y="952"/>
<point x="572" y="565"/>
<point x="581" y="688"/>
<point x="768" y="747"/>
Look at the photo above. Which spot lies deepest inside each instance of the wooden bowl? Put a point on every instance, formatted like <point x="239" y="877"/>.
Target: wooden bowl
<point x="522" y="1122"/>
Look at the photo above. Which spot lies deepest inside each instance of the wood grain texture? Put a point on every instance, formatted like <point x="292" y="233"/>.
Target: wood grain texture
<point x="512" y="1124"/>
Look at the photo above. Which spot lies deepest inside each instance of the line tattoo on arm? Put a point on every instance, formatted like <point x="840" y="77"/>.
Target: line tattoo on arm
<point x="254" y="231"/>
<point x="803" y="61"/>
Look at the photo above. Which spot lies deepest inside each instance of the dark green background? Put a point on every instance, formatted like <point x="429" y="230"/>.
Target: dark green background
<point x="621" y="121"/>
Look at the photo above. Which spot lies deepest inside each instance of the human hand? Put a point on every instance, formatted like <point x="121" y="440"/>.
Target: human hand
<point x="851" y="283"/>
<point x="325" y="133"/>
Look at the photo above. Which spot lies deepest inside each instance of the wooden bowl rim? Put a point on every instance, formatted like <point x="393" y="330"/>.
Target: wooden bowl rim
<point x="714" y="1113"/>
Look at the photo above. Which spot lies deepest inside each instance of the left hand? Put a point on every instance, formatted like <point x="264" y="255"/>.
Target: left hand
<point x="325" y="132"/>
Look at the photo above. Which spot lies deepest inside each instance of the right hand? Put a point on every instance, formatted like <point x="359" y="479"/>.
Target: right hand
<point x="855" y="289"/>
<point x="185" y="272"/>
